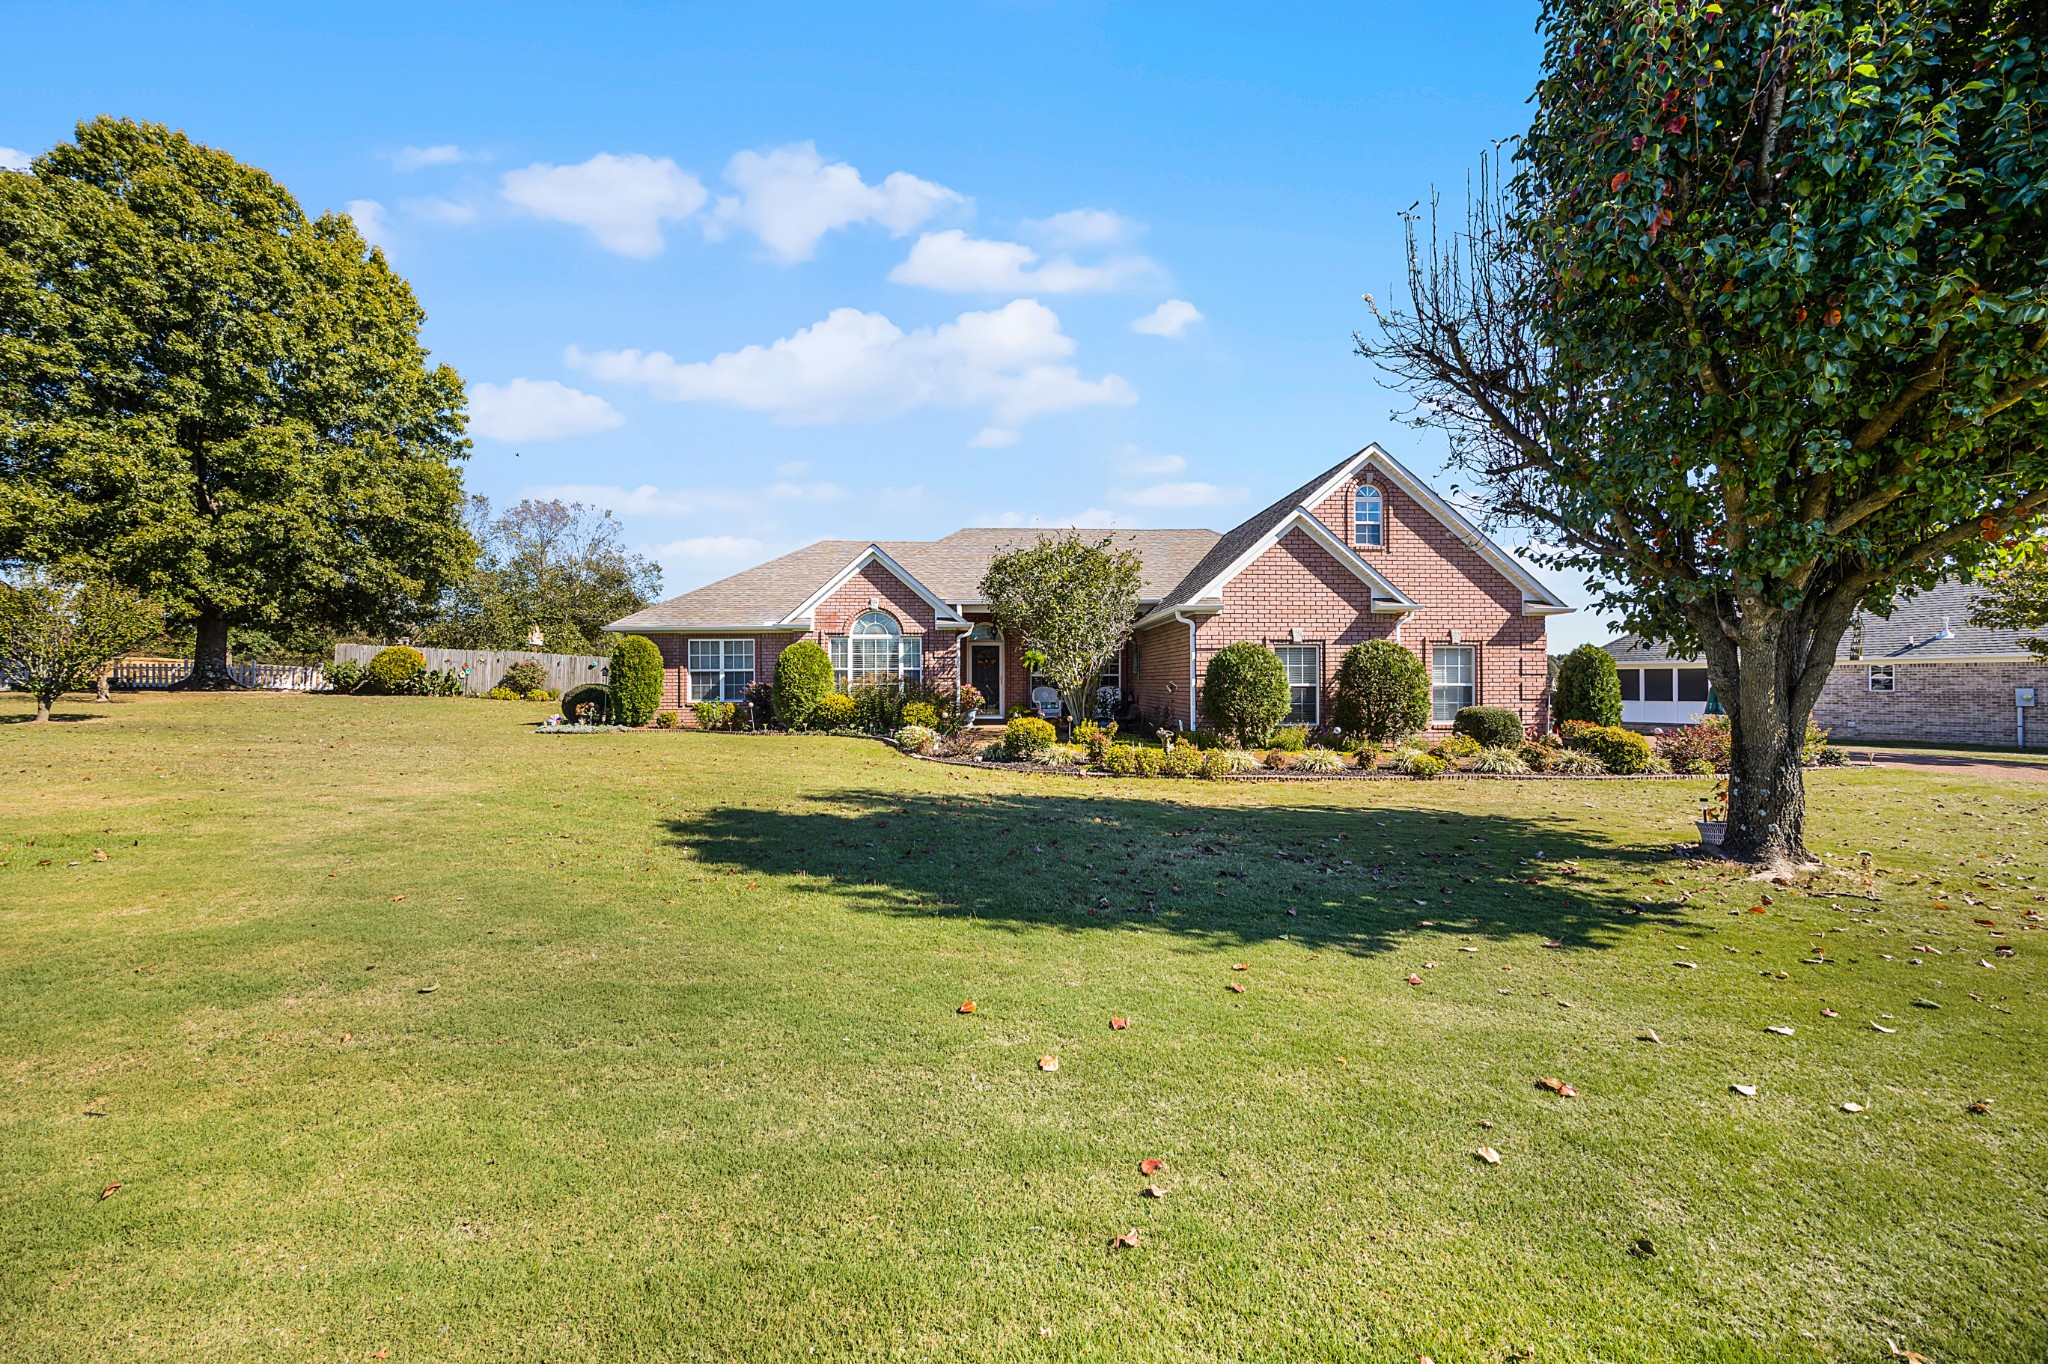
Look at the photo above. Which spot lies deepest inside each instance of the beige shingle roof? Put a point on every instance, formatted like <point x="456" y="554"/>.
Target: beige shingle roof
<point x="950" y="569"/>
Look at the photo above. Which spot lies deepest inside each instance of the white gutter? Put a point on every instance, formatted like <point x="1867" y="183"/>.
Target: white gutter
<point x="1182" y="617"/>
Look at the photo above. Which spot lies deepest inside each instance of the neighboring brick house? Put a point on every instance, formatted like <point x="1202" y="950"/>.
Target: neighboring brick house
<point x="1364" y="551"/>
<point x="1922" y="674"/>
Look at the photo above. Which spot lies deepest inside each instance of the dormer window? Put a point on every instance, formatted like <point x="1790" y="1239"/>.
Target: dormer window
<point x="1368" y="525"/>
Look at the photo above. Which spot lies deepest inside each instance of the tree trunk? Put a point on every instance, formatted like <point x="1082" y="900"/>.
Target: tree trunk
<point x="106" y="677"/>
<point x="209" y="653"/>
<point x="42" y="709"/>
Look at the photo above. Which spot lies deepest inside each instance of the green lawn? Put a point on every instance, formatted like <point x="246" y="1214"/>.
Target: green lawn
<point x="403" y="1029"/>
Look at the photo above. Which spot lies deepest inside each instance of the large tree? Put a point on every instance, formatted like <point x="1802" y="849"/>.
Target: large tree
<point x="1756" y="334"/>
<point x="561" y="566"/>
<point x="1072" y="602"/>
<point x="215" y="400"/>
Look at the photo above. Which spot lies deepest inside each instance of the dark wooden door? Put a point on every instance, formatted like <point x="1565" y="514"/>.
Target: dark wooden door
<point x="985" y="673"/>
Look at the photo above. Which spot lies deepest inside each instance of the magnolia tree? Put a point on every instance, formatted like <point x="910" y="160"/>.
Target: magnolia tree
<point x="57" y="637"/>
<point x="1072" y="603"/>
<point x="2018" y="600"/>
<point x="1755" y="335"/>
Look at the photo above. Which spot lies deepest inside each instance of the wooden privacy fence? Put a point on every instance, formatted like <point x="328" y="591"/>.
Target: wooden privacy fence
<point x="156" y="674"/>
<point x="486" y="666"/>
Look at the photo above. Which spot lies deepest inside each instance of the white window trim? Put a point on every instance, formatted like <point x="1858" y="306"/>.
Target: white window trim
<point x="1472" y="651"/>
<point x="724" y="673"/>
<point x="1379" y="523"/>
<point x="1890" y="676"/>
<point x="840" y="647"/>
<point x="1316" y="685"/>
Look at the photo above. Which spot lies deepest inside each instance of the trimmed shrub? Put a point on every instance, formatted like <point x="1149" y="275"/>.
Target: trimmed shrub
<point x="1244" y="692"/>
<point x="1536" y="757"/>
<point x="636" y="680"/>
<point x="921" y="714"/>
<point x="1182" y="760"/>
<point x="835" y="711"/>
<point x="541" y="694"/>
<point x="1705" y="742"/>
<point x="1291" y="738"/>
<point x="1062" y="755"/>
<point x="1694" y="767"/>
<point x="1382" y="691"/>
<point x="1827" y="755"/>
<point x="501" y="694"/>
<point x="1568" y="731"/>
<point x="1455" y="747"/>
<point x="1318" y="760"/>
<point x="1501" y="761"/>
<point x="714" y="714"/>
<point x="1278" y="759"/>
<point x="345" y="676"/>
<point x="1621" y="751"/>
<point x="917" y="739"/>
<point x="1216" y="763"/>
<point x="1816" y="740"/>
<point x="1121" y="760"/>
<point x="523" y="677"/>
<point x="1027" y="736"/>
<point x="1492" y="726"/>
<point x="667" y="719"/>
<point x="1368" y="759"/>
<point x="1151" y="761"/>
<point x="589" y="704"/>
<point x="1095" y="738"/>
<point x="803" y="679"/>
<point x="1570" y="762"/>
<point x="1422" y="765"/>
<point x="1588" y="687"/>
<point x="397" y="671"/>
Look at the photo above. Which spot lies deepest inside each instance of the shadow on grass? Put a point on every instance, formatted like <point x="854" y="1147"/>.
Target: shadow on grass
<point x="66" y="718"/>
<point x="1344" y="879"/>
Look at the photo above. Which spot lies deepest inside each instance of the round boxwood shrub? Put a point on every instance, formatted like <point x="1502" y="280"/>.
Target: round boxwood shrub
<point x="1382" y="691"/>
<point x="397" y="671"/>
<point x="917" y="739"/>
<point x="524" y="676"/>
<point x="501" y="694"/>
<point x="836" y="711"/>
<point x="923" y="714"/>
<point x="1621" y="751"/>
<point x="1423" y="766"/>
<point x="636" y="680"/>
<point x="1182" y="760"/>
<point x="1027" y="736"/>
<point x="589" y="704"/>
<point x="1588" y="688"/>
<point x="1492" y="726"/>
<point x="803" y="679"/>
<point x="1244" y="692"/>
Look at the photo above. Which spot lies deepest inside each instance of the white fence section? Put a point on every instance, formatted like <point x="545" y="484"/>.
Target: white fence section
<point x="157" y="674"/>
<point x="482" y="668"/>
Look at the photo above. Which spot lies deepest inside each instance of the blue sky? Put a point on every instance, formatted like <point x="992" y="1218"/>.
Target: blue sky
<point x="751" y="275"/>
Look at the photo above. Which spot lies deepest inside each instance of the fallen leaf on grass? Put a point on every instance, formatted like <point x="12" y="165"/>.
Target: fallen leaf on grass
<point x="1241" y="966"/>
<point x="1852" y="1108"/>
<point x="1829" y="1013"/>
<point x="428" y="989"/>
<point x="1906" y="1355"/>
<point x="107" y="1192"/>
<point x="1414" y="979"/>
<point x="396" y="898"/>
<point x="1780" y="1029"/>
<point x="1235" y="988"/>
<point x="1746" y="1091"/>
<point x="1557" y="1087"/>
<point x="1642" y="1247"/>
<point x="1119" y="1024"/>
<point x="1650" y="1035"/>
<point x="1925" y="1004"/>
<point x="1882" y="1028"/>
<point x="1127" y="1241"/>
<point x="968" y="1007"/>
<point x="1488" y="1154"/>
<point x="1048" y="1063"/>
<point x="1151" y="1165"/>
<point x="1154" y="1191"/>
<point x="1686" y="965"/>
<point x="99" y="854"/>
<point x="1980" y="1106"/>
<point x="348" y="1037"/>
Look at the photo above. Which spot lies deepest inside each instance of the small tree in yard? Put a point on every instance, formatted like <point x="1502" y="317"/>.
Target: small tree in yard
<point x="57" y="637"/>
<point x="1245" y="693"/>
<point x="1588" y="688"/>
<point x="1382" y="691"/>
<point x="1072" y="603"/>
<point x="1757" y="335"/>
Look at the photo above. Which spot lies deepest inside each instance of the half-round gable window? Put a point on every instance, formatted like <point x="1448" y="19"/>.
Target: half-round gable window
<point x="876" y="623"/>
<point x="1368" y="522"/>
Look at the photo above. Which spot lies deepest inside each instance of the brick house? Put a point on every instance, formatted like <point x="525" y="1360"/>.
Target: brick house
<point x="1922" y="674"/>
<point x="1365" y="550"/>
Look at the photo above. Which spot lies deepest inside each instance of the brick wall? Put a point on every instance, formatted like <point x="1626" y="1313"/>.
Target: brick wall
<point x="1959" y="703"/>
<point x="1161" y="653"/>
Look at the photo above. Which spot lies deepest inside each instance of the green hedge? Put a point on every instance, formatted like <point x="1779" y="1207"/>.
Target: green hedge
<point x="1492" y="726"/>
<point x="589" y="704"/>
<point x="636" y="680"/>
<point x="1027" y="736"/>
<point x="1382" y="692"/>
<point x="803" y="679"/>
<point x="1588" y="688"/>
<point x="1244" y="692"/>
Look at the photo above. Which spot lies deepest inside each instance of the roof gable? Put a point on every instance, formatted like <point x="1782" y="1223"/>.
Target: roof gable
<point x="944" y="615"/>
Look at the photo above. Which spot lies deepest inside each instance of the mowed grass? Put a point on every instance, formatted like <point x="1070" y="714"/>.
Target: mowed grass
<point x="403" y="1029"/>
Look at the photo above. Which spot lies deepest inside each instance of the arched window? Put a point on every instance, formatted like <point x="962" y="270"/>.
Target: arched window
<point x="875" y="649"/>
<point x="1368" y="527"/>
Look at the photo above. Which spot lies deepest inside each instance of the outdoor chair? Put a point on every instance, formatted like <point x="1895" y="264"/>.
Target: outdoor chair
<point x="1046" y="701"/>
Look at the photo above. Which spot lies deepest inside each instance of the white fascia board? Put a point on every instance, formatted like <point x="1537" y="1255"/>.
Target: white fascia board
<point x="1386" y="596"/>
<point x="1538" y="600"/>
<point x="944" y="617"/>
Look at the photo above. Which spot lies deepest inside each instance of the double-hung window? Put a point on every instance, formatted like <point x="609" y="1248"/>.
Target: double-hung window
<point x="1368" y="525"/>
<point x="1304" y="681"/>
<point x="1451" y="672"/>
<point x="1882" y="678"/>
<point x="720" y="669"/>
<point x="875" y="649"/>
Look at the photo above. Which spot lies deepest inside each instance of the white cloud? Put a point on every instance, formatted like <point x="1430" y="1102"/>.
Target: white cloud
<point x="10" y="159"/>
<point x="440" y="210"/>
<point x="792" y="468"/>
<point x="719" y="547"/>
<point x="993" y="438"/>
<point x="537" y="409"/>
<point x="1171" y="318"/>
<point x="622" y="200"/>
<point x="956" y="263"/>
<point x="790" y="198"/>
<point x="855" y="364"/>
<point x="1181" y="495"/>
<point x="1084" y="227"/>
<point x="1132" y="460"/>
<point x="416" y="158"/>
<point x="1092" y="518"/>
<point x="648" y="500"/>
<point x="373" y="220"/>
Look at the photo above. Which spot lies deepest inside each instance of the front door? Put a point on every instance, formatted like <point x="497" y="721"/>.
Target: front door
<point x="985" y="674"/>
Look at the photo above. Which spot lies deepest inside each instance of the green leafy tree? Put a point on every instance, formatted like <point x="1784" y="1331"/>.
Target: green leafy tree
<point x="636" y="678"/>
<point x="561" y="566"/>
<point x="1072" y="603"/>
<point x="1588" y="688"/>
<point x="803" y="679"/>
<point x="57" y="637"/>
<point x="1245" y="692"/>
<point x="2017" y="599"/>
<point x="1382" y="691"/>
<point x="1756" y="334"/>
<point x="214" y="400"/>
